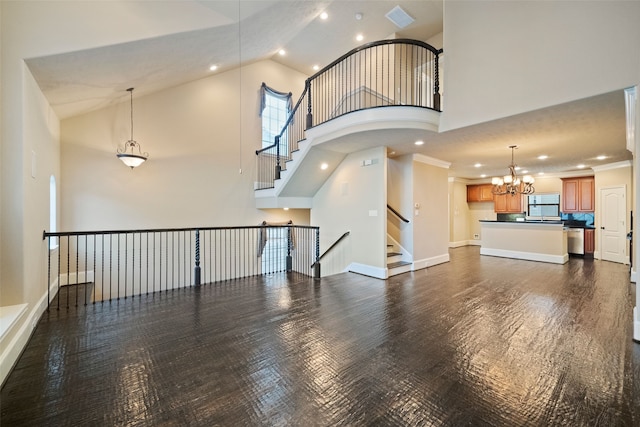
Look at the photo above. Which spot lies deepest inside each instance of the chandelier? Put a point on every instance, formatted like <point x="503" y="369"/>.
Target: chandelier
<point x="512" y="184"/>
<point x="127" y="153"/>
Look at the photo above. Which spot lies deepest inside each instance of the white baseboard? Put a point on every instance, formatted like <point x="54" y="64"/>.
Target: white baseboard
<point x="76" y="279"/>
<point x="636" y="324"/>
<point x="529" y="256"/>
<point x="9" y="316"/>
<point x="12" y="351"/>
<point x="368" y="270"/>
<point x="461" y="243"/>
<point x="429" y="262"/>
<point x="634" y="275"/>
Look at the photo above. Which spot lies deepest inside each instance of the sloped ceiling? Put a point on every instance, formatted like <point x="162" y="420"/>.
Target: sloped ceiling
<point x="233" y="33"/>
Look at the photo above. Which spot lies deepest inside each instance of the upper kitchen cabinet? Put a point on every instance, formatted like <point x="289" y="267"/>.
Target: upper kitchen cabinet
<point x="479" y="193"/>
<point x="507" y="203"/>
<point x="578" y="194"/>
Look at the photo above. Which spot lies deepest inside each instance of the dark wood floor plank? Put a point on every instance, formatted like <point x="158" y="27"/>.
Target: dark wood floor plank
<point x="476" y="341"/>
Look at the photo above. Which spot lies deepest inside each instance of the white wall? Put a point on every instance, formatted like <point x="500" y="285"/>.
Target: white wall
<point x="431" y="216"/>
<point x="351" y="200"/>
<point x="201" y="138"/>
<point x="509" y="57"/>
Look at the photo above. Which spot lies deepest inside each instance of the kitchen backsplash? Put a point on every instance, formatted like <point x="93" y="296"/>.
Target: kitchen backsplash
<point x="586" y="216"/>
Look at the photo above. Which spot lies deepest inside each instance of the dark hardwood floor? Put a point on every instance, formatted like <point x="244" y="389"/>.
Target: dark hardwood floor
<point x="476" y="341"/>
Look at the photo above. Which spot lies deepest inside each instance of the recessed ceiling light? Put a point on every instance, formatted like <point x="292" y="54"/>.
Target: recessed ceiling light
<point x="525" y="171"/>
<point x="359" y="37"/>
<point x="213" y="67"/>
<point x="286" y="209"/>
<point x="282" y="52"/>
<point x="543" y="157"/>
<point x="483" y="175"/>
<point x="419" y="142"/>
<point x="540" y="173"/>
<point x="324" y="15"/>
<point x="477" y="165"/>
<point x="316" y="67"/>
<point x="359" y="16"/>
<point x="581" y="166"/>
<point x="324" y="166"/>
<point x="601" y="157"/>
<point x="517" y="168"/>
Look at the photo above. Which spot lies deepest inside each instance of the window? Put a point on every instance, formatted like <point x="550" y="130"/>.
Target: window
<point x="543" y="206"/>
<point x="275" y="110"/>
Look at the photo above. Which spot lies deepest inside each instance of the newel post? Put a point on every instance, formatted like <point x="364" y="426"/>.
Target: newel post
<point x="309" y="114"/>
<point x="196" y="270"/>
<point x="289" y="247"/>
<point x="436" y="86"/>
<point x="316" y="265"/>
<point x="278" y="168"/>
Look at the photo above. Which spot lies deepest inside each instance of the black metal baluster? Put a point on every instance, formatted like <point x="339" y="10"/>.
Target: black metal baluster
<point x="68" y="268"/>
<point x="118" y="240"/>
<point x="48" y="272"/>
<point x="59" y="266"/>
<point x="86" y="272"/>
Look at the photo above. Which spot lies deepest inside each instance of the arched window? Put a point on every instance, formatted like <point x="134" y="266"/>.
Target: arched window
<point x="53" y="207"/>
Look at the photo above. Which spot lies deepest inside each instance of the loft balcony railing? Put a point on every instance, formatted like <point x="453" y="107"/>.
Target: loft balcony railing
<point x="98" y="266"/>
<point x="385" y="73"/>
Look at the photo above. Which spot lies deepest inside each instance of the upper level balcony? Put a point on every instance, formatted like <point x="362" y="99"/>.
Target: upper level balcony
<point x="384" y="85"/>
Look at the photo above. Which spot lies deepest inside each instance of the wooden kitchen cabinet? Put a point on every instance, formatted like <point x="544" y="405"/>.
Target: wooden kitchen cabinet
<point x="507" y="203"/>
<point x="578" y="194"/>
<point x="589" y="241"/>
<point x="479" y="193"/>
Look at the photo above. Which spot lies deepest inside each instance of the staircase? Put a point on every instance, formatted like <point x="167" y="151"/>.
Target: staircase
<point x="396" y="261"/>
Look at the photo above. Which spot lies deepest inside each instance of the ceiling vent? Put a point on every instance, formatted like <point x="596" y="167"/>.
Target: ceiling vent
<point x="399" y="17"/>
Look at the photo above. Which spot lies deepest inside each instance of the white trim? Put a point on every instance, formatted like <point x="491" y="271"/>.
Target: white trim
<point x="373" y="119"/>
<point x="630" y="97"/>
<point x="633" y="276"/>
<point x="398" y="270"/>
<point x="610" y="166"/>
<point x="529" y="256"/>
<point x="430" y="262"/>
<point x="71" y="279"/>
<point x="460" y="243"/>
<point x="368" y="270"/>
<point x="9" y="316"/>
<point x="12" y="351"/>
<point x="431" y="161"/>
<point x="636" y="324"/>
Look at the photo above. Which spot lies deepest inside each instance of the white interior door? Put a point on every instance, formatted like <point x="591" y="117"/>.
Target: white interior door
<point x="613" y="227"/>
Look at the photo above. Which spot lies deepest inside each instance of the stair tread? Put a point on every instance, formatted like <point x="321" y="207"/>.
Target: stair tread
<point x="390" y="254"/>
<point x="398" y="264"/>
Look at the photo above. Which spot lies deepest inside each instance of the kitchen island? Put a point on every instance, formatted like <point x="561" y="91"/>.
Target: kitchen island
<point x="534" y="241"/>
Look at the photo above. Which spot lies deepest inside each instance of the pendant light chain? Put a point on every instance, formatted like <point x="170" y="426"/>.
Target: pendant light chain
<point x="131" y="110"/>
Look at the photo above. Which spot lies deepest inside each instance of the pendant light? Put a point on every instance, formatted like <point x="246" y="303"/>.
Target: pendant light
<point x="127" y="154"/>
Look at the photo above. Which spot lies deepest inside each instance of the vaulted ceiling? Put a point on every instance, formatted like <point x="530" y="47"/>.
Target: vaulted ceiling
<point x="230" y="34"/>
